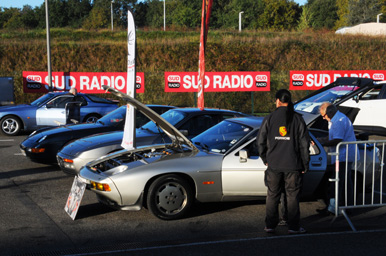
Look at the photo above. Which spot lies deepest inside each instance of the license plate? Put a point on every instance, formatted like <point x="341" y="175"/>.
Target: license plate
<point x="75" y="197"/>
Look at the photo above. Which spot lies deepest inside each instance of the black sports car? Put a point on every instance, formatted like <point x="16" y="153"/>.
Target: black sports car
<point x="43" y="144"/>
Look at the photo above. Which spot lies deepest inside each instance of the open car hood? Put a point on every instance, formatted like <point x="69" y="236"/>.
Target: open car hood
<point x="176" y="136"/>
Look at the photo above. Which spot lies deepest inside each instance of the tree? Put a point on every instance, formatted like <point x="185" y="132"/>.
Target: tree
<point x="12" y="18"/>
<point x="219" y="15"/>
<point x="253" y="9"/>
<point x="361" y="11"/>
<point x="77" y="11"/>
<point x="280" y="14"/>
<point x="29" y="17"/>
<point x="185" y="13"/>
<point x="140" y="14"/>
<point x="305" y="18"/>
<point x="98" y="18"/>
<point x="323" y="13"/>
<point x="154" y="15"/>
<point x="342" y="13"/>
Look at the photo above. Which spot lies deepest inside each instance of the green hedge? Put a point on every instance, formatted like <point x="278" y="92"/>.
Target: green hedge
<point x="159" y="51"/>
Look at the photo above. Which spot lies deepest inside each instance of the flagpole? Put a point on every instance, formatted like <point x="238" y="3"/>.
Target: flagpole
<point x="206" y="9"/>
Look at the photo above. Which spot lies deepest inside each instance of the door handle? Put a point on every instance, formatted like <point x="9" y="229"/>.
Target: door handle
<point x="316" y="163"/>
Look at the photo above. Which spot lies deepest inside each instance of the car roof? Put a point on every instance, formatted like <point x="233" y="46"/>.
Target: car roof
<point x="159" y="106"/>
<point x="193" y="110"/>
<point x="358" y="81"/>
<point x="253" y="121"/>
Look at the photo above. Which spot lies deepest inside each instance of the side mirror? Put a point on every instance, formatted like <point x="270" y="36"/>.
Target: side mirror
<point x="184" y="132"/>
<point x="243" y="154"/>
<point x="356" y="98"/>
<point x="49" y="106"/>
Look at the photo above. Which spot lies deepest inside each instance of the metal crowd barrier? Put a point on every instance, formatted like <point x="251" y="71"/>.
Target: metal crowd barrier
<point x="366" y="174"/>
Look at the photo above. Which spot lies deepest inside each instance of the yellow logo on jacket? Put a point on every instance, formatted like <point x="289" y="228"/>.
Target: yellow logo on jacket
<point x="283" y="131"/>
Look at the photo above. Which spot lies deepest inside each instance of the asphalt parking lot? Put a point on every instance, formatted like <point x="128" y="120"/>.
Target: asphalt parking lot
<point x="33" y="222"/>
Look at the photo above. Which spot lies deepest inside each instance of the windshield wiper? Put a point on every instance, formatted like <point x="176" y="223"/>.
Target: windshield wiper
<point x="146" y="129"/>
<point x="202" y="145"/>
<point x="99" y="121"/>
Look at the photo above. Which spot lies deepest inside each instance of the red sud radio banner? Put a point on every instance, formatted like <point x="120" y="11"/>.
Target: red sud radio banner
<point x="314" y="80"/>
<point x="218" y="81"/>
<point x="85" y="82"/>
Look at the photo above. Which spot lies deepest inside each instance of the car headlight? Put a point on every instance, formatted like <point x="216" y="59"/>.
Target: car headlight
<point x="42" y="138"/>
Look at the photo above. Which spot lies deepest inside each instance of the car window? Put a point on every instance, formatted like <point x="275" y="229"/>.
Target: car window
<point x="226" y="116"/>
<point x="372" y="94"/>
<point x="98" y="99"/>
<point x="160" y="110"/>
<point x="140" y="119"/>
<point x="114" y="117"/>
<point x="332" y="95"/>
<point x="42" y="99"/>
<point x="314" y="149"/>
<point x="80" y="99"/>
<point x="221" y="137"/>
<point x="60" y="101"/>
<point x="198" y="124"/>
<point x="172" y="116"/>
<point x="251" y="146"/>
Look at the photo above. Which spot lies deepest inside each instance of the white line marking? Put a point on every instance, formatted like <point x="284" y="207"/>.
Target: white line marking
<point x="224" y="241"/>
<point x="7" y="140"/>
<point x="19" y="154"/>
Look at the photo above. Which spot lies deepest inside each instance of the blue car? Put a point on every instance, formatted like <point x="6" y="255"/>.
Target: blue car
<point x="50" y="110"/>
<point x="42" y="145"/>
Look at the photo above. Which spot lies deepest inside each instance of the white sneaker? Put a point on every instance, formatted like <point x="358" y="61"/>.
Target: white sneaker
<point x="294" y="232"/>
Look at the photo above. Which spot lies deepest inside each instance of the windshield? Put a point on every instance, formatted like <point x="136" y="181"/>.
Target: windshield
<point x="172" y="116"/>
<point x="114" y="117"/>
<point x="222" y="136"/>
<point x="332" y="95"/>
<point x="42" y="99"/>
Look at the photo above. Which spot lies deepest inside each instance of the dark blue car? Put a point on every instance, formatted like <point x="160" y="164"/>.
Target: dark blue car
<point x="50" y="110"/>
<point x="43" y="144"/>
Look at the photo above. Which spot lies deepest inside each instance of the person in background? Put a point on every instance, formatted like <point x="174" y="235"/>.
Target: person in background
<point x="340" y="129"/>
<point x="73" y="91"/>
<point x="73" y="107"/>
<point x="283" y="142"/>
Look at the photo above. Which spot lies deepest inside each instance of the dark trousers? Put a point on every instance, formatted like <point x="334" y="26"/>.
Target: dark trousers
<point x="292" y="187"/>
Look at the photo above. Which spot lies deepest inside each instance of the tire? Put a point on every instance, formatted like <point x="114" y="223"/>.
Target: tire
<point x="169" y="197"/>
<point x="10" y="125"/>
<point x="91" y="118"/>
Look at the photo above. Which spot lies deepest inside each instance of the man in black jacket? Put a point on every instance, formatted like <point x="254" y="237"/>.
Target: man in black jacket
<point x="283" y="143"/>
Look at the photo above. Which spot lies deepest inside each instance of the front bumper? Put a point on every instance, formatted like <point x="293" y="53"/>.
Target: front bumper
<point x="43" y="157"/>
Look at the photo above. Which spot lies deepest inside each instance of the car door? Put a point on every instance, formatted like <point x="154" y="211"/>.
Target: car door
<point x="246" y="178"/>
<point x="53" y="113"/>
<point x="243" y="178"/>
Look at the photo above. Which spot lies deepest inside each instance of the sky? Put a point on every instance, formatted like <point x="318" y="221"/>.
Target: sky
<point x="33" y="3"/>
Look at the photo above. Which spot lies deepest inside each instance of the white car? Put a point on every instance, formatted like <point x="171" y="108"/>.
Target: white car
<point x="363" y="100"/>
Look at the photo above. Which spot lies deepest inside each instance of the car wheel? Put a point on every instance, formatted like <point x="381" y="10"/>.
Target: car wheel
<point x="169" y="197"/>
<point x="10" y="125"/>
<point x="91" y="118"/>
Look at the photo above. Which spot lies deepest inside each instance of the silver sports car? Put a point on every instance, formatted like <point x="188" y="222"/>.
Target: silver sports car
<point x="218" y="165"/>
<point x="190" y="121"/>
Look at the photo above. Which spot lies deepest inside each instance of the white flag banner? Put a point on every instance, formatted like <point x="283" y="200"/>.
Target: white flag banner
<point x="128" y="141"/>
